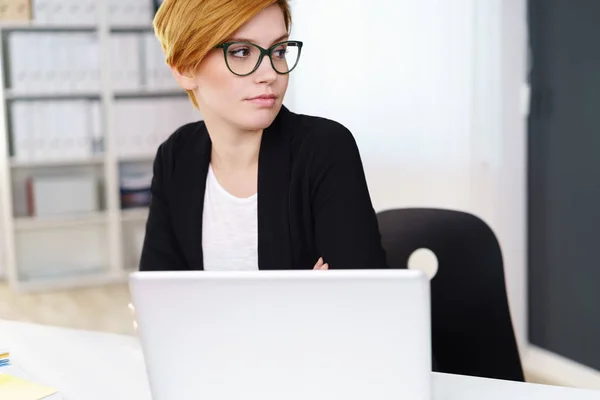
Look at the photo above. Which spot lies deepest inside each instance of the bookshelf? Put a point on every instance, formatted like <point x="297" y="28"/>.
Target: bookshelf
<point x="85" y="101"/>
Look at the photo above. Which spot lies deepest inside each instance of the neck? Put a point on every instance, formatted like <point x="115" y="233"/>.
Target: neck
<point x="233" y="148"/>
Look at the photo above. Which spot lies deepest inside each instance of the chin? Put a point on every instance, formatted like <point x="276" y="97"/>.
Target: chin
<point x="259" y="119"/>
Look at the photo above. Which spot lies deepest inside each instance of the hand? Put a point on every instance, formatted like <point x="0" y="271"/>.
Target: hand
<point x="321" y="264"/>
<point x="132" y="310"/>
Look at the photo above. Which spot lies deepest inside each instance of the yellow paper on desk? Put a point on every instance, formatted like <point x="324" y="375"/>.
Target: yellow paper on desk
<point x="14" y="388"/>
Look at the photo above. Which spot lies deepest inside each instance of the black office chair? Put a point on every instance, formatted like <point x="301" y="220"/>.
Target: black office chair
<point x="472" y="331"/>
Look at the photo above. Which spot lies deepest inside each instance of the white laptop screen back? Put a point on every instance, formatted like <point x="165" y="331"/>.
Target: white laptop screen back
<point x="285" y="335"/>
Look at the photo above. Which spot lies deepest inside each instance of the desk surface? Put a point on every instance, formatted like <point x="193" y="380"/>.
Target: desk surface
<point x="97" y="366"/>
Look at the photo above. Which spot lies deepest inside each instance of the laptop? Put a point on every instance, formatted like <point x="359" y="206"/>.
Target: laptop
<point x="293" y="335"/>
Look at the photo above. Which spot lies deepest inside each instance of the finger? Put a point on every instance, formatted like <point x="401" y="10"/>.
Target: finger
<point x="324" y="266"/>
<point x="319" y="263"/>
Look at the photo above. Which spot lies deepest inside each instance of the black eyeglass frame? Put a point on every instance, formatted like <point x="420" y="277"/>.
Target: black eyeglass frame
<point x="263" y="53"/>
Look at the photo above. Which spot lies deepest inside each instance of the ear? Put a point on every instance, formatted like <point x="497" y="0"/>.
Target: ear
<point x="185" y="79"/>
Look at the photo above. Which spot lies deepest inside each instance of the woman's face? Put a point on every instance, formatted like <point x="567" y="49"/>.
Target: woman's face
<point x="224" y="96"/>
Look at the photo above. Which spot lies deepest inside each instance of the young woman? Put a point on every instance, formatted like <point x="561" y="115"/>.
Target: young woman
<point x="253" y="186"/>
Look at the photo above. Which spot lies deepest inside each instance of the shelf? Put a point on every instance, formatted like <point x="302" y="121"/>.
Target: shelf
<point x="32" y="223"/>
<point x="92" y="160"/>
<point x="95" y="248"/>
<point x="12" y="95"/>
<point x="149" y="93"/>
<point x="131" y="29"/>
<point x="134" y="214"/>
<point x="32" y="26"/>
<point x="138" y="158"/>
<point x="70" y="281"/>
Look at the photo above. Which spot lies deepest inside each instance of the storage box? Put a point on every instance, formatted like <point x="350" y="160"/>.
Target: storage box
<point x="15" y="10"/>
<point x="135" y="190"/>
<point x="62" y="195"/>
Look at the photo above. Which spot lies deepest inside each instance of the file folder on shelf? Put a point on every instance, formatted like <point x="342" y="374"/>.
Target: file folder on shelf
<point x="44" y="62"/>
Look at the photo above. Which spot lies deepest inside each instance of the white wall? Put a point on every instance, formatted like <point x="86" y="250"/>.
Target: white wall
<point x="430" y="89"/>
<point x="510" y="212"/>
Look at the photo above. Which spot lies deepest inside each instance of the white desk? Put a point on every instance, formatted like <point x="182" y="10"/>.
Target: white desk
<point x="97" y="366"/>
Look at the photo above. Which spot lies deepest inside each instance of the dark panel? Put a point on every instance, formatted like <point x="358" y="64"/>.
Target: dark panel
<point x="564" y="179"/>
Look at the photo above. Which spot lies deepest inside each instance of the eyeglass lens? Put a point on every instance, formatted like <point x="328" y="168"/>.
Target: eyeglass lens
<point x="242" y="58"/>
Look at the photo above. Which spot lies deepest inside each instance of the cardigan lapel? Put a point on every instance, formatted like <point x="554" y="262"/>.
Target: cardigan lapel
<point x="192" y="188"/>
<point x="274" y="165"/>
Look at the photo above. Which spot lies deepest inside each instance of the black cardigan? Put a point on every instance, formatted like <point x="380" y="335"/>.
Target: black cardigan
<point x="313" y="199"/>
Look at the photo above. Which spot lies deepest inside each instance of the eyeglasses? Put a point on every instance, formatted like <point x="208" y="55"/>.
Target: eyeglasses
<point x="243" y="58"/>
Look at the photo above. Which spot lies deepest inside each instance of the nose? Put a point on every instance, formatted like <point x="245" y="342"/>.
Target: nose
<point x="265" y="72"/>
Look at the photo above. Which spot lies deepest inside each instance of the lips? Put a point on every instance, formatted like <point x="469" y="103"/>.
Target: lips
<point x="264" y="97"/>
<point x="263" y="100"/>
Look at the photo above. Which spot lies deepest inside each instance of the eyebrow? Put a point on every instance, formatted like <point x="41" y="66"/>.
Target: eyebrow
<point x="239" y="39"/>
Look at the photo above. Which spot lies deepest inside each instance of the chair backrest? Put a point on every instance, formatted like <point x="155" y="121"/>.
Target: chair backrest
<point x="472" y="331"/>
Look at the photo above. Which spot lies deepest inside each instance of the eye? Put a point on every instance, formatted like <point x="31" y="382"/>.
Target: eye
<point x="280" y="51"/>
<point x="241" y="52"/>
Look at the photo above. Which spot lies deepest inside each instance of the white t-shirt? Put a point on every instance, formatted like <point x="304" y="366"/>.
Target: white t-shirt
<point x="229" y="229"/>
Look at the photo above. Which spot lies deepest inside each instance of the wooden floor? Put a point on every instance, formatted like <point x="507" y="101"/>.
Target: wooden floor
<point x="97" y="308"/>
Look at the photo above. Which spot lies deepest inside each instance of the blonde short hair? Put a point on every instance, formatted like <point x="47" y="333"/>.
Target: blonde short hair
<point x="189" y="29"/>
